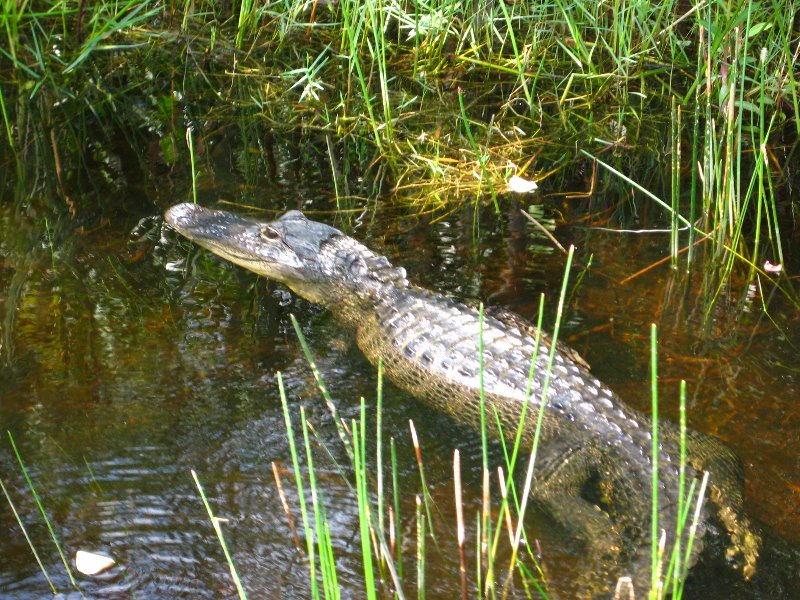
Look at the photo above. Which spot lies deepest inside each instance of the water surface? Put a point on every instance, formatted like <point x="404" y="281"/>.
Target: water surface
<point x="131" y="357"/>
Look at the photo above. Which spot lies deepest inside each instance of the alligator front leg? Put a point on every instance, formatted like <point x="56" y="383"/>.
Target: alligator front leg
<point x="565" y="479"/>
<point x="725" y="493"/>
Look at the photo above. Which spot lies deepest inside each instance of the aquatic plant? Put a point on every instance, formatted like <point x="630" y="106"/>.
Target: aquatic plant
<point x="496" y="572"/>
<point x="434" y="102"/>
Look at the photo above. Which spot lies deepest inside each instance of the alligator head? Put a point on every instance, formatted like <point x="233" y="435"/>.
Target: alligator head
<point x="317" y="261"/>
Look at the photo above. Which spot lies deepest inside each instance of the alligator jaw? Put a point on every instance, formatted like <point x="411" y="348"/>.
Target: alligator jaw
<point x="286" y="250"/>
<point x="232" y="237"/>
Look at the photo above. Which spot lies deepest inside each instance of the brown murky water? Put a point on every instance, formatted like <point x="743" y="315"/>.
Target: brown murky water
<point x="130" y="360"/>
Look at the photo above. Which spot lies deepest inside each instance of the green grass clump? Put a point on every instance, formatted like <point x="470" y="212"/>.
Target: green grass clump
<point x="439" y="101"/>
<point x="496" y="571"/>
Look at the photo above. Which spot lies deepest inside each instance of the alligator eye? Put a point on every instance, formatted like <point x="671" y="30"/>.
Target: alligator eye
<point x="269" y="233"/>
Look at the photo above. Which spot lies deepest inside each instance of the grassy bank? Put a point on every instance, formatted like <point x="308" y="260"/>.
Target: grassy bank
<point x="691" y="107"/>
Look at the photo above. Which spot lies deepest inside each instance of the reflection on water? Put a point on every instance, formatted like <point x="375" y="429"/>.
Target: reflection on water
<point x="129" y="363"/>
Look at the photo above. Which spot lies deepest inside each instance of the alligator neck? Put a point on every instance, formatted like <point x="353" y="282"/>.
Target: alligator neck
<point x="358" y="280"/>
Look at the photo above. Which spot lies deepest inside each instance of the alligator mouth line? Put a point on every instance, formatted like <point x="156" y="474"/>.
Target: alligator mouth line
<point x="232" y="256"/>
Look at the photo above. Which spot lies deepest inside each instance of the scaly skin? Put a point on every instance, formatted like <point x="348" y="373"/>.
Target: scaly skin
<point x="593" y="467"/>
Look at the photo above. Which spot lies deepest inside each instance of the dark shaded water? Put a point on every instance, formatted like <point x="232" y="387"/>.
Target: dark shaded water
<point x="132" y="358"/>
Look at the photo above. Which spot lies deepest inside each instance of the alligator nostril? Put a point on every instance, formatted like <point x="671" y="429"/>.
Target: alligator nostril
<point x="176" y="214"/>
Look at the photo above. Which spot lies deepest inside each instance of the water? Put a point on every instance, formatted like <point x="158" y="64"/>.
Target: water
<point x="131" y="359"/>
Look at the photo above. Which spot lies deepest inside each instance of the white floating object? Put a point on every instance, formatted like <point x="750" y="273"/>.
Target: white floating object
<point x="770" y="268"/>
<point x="521" y="185"/>
<point x="90" y="563"/>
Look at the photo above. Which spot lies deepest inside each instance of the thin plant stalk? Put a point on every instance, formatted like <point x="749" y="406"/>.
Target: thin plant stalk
<point x="420" y="467"/>
<point x="309" y="534"/>
<point x="539" y="421"/>
<point x="220" y="536"/>
<point x="398" y="530"/>
<point x="364" y="519"/>
<point x="28" y="539"/>
<point x="327" y="562"/>
<point x="485" y="516"/>
<point x="286" y="509"/>
<point x="420" y="549"/>
<point x="190" y="144"/>
<point x="512" y="461"/>
<point x="46" y="519"/>
<point x="381" y="508"/>
<point x="460" y="531"/>
<point x="344" y="435"/>
<point x="655" y="563"/>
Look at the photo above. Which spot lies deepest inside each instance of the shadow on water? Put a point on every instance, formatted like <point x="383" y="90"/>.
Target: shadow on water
<point x="131" y="357"/>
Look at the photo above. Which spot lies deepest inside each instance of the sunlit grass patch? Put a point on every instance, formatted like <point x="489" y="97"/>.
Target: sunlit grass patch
<point x="434" y="102"/>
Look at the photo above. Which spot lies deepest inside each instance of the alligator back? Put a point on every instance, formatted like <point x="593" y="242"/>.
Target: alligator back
<point x="594" y="451"/>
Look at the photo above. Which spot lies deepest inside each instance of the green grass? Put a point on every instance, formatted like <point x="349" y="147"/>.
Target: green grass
<point x="439" y="102"/>
<point x="669" y="576"/>
<point x="45" y="519"/>
<point x="28" y="538"/>
<point x="381" y="545"/>
<point x="215" y="523"/>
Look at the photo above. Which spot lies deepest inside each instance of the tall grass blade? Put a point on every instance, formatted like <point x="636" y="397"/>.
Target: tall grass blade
<point x="309" y="534"/>
<point x="397" y="530"/>
<point x="655" y="563"/>
<point x="344" y="435"/>
<point x="286" y="509"/>
<point x="460" y="530"/>
<point x="28" y="539"/>
<point x="190" y="144"/>
<point x="539" y="422"/>
<point x="327" y="563"/>
<point x="381" y="508"/>
<point x="420" y="550"/>
<point x="46" y="519"/>
<point x="426" y="496"/>
<point x="220" y="536"/>
<point x="364" y="512"/>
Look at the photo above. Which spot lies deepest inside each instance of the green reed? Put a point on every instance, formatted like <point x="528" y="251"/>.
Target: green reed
<point x="655" y="551"/>
<point x="301" y="496"/>
<point x="379" y="542"/>
<point x="519" y="532"/>
<point x="537" y="80"/>
<point x="380" y="538"/>
<point x="31" y="545"/>
<point x="215" y="523"/>
<point x="45" y="519"/>
<point x="668" y="573"/>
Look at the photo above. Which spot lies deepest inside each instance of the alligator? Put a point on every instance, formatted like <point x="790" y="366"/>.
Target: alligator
<point x="593" y="470"/>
